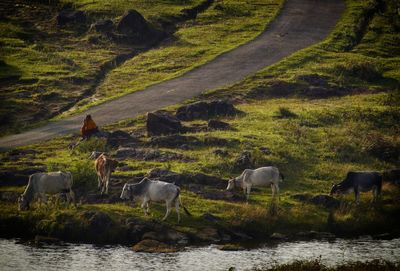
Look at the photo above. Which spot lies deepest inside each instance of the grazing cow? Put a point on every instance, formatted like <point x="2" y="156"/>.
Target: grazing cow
<point x="148" y="190"/>
<point x="263" y="176"/>
<point x="357" y="182"/>
<point x="104" y="167"/>
<point x="40" y="184"/>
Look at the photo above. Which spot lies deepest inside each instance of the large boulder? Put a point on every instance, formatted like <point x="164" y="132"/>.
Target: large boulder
<point x="134" y="24"/>
<point x="206" y="110"/>
<point x="161" y="123"/>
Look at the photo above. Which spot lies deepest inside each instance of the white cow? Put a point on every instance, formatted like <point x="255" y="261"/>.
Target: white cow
<point x="148" y="190"/>
<point x="40" y="184"/>
<point x="263" y="176"/>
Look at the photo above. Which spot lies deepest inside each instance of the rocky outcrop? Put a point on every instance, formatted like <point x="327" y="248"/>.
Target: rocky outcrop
<point x="162" y="123"/>
<point x="218" y="125"/>
<point x="206" y="110"/>
<point x="120" y="138"/>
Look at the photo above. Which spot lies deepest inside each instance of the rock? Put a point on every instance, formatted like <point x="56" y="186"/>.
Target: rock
<point x="99" y="222"/>
<point x="118" y="138"/>
<point x="208" y="234"/>
<point x="218" y="125"/>
<point x="278" y="236"/>
<point x="167" y="236"/>
<point x="167" y="176"/>
<point x="102" y="26"/>
<point x="14" y="177"/>
<point x="161" y="123"/>
<point x="205" y="110"/>
<point x="243" y="161"/>
<point x="275" y="88"/>
<point x="46" y="240"/>
<point x="231" y="247"/>
<point x="325" y="200"/>
<point x="148" y="154"/>
<point x="174" y="141"/>
<point x="211" y="218"/>
<point x="215" y="141"/>
<point x="182" y="179"/>
<point x="133" y="24"/>
<point x="70" y="16"/>
<point x="153" y="246"/>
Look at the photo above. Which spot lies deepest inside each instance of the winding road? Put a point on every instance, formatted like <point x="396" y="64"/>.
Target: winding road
<point x="300" y="24"/>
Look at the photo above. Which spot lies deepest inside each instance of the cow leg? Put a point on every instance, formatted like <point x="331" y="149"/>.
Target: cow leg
<point x="276" y="192"/>
<point x="71" y="196"/>
<point x="107" y="181"/>
<point x="248" y="193"/>
<point x="168" y="205"/>
<point x="357" y="194"/>
<point x="177" y="209"/>
<point x="98" y="182"/>
<point x="145" y="206"/>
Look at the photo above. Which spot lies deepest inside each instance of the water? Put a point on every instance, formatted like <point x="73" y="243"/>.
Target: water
<point x="16" y="256"/>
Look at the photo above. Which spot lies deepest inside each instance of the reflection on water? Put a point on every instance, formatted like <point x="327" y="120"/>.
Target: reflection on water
<point x="15" y="256"/>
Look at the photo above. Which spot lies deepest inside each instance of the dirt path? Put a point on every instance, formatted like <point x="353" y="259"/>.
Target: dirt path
<point x="300" y="24"/>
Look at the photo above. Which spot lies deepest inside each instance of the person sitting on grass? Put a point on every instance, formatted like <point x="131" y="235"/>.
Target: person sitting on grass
<point x="89" y="127"/>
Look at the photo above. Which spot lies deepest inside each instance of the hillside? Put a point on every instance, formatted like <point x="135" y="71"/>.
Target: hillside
<point x="62" y="56"/>
<point x="317" y="114"/>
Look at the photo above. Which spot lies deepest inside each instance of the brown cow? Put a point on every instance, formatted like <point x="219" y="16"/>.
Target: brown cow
<point x="104" y="167"/>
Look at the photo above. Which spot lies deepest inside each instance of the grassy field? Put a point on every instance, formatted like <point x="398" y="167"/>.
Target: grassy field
<point x="49" y="70"/>
<point x="319" y="113"/>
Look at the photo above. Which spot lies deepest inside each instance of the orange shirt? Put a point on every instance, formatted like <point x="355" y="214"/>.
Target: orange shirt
<point x="87" y="126"/>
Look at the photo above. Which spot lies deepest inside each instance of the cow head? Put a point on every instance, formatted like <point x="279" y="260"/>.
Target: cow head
<point x="23" y="203"/>
<point x="336" y="189"/>
<point x="126" y="193"/>
<point x="231" y="184"/>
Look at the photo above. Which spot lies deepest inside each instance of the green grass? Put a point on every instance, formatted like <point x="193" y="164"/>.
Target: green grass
<point x="314" y="141"/>
<point x="49" y="70"/>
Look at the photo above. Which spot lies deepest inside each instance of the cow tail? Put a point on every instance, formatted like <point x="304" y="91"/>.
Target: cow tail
<point x="180" y="202"/>
<point x="282" y="177"/>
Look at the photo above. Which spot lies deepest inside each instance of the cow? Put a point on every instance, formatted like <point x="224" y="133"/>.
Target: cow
<point x="104" y="167"/>
<point x="361" y="181"/>
<point x="157" y="191"/>
<point x="263" y="176"/>
<point x="40" y="184"/>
